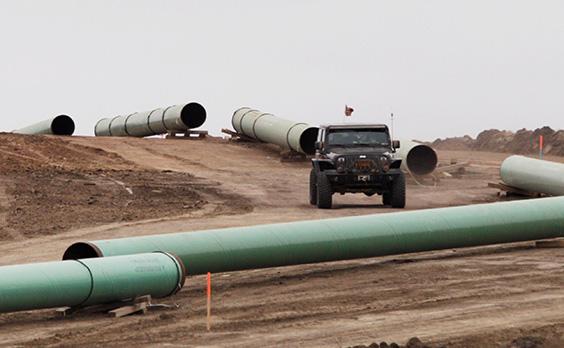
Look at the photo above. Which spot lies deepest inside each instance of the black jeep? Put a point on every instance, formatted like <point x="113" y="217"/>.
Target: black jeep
<point x="356" y="158"/>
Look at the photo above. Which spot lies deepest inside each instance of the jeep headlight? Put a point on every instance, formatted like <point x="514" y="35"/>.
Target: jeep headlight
<point x="341" y="164"/>
<point x="385" y="162"/>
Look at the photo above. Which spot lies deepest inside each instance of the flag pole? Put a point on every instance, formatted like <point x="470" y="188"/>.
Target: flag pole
<point x="392" y="124"/>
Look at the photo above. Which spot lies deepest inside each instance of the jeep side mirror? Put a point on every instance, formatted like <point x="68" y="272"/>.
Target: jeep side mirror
<point x="318" y="145"/>
<point x="396" y="144"/>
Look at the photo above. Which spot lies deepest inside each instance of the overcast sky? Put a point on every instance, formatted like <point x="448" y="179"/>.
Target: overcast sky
<point x="444" y="68"/>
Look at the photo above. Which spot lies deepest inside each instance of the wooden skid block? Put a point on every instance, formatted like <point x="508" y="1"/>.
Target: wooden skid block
<point x="192" y="134"/>
<point x="558" y="243"/>
<point x="513" y="190"/>
<point x="127" y="310"/>
<point x="238" y="136"/>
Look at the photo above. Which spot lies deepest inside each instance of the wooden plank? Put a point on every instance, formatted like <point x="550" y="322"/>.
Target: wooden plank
<point x="557" y="243"/>
<point x="189" y="134"/>
<point x="239" y="136"/>
<point x="127" y="310"/>
<point x="144" y="298"/>
<point x="513" y="190"/>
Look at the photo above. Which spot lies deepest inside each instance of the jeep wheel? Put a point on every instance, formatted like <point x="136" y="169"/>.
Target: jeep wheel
<point x="324" y="192"/>
<point x="397" y="199"/>
<point x="312" y="187"/>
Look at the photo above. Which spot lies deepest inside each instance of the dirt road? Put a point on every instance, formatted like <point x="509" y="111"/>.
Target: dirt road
<point x="54" y="192"/>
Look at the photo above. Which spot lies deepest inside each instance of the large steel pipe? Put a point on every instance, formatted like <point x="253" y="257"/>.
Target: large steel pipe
<point x="345" y="238"/>
<point x="262" y="126"/>
<point x="88" y="282"/>
<point x="58" y="125"/>
<point x="419" y="159"/>
<point x="176" y="118"/>
<point x="533" y="175"/>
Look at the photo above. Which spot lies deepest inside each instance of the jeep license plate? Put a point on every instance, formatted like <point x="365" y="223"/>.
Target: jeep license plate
<point x="364" y="178"/>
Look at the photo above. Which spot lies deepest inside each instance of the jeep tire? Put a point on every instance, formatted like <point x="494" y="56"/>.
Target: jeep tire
<point x="397" y="194"/>
<point x="324" y="191"/>
<point x="312" y="187"/>
<point x="387" y="198"/>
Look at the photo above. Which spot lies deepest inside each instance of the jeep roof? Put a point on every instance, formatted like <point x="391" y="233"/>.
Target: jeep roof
<point x="353" y="125"/>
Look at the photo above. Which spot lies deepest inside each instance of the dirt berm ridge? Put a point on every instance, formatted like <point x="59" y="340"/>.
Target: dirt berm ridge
<point x="523" y="141"/>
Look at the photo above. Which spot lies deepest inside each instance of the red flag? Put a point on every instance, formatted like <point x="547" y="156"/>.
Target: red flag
<point x="348" y="110"/>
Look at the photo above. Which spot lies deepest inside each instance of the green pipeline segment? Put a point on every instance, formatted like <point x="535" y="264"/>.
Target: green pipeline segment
<point x="345" y="238"/>
<point x="58" y="125"/>
<point x="418" y="159"/>
<point x="533" y="175"/>
<point x="265" y="127"/>
<point x="176" y="118"/>
<point x="76" y="283"/>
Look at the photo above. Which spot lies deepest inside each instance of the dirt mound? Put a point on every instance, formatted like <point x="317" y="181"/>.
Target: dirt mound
<point x="30" y="153"/>
<point x="48" y="186"/>
<point x="457" y="143"/>
<point x="523" y="141"/>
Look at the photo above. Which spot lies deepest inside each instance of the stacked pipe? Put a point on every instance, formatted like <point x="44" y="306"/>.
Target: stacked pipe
<point x="58" y="125"/>
<point x="345" y="238"/>
<point x="418" y="159"/>
<point x="533" y="175"/>
<point x="176" y="118"/>
<point x="88" y="282"/>
<point x="294" y="136"/>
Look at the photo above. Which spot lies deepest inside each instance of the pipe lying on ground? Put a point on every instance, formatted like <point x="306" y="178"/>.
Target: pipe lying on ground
<point x="268" y="128"/>
<point x="533" y="175"/>
<point x="313" y="241"/>
<point x="58" y="125"/>
<point x="76" y="283"/>
<point x="176" y="118"/>
<point x="418" y="159"/>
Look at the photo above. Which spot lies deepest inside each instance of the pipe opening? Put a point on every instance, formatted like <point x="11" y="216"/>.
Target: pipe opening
<point x="193" y="115"/>
<point x="421" y="160"/>
<point x="82" y="250"/>
<point x="62" y="125"/>
<point x="308" y="139"/>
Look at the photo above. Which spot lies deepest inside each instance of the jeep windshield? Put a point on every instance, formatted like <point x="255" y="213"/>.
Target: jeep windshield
<point x="357" y="137"/>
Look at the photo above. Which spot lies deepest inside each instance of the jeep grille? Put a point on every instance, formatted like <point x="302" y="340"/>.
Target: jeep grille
<point x="364" y="165"/>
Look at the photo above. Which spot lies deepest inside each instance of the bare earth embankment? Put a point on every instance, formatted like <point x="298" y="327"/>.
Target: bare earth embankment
<point x="56" y="191"/>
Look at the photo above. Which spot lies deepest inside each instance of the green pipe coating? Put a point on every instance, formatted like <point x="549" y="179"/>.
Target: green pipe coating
<point x="268" y="128"/>
<point x="176" y="118"/>
<point x="75" y="283"/>
<point x="58" y="125"/>
<point x="345" y="238"/>
<point x="533" y="175"/>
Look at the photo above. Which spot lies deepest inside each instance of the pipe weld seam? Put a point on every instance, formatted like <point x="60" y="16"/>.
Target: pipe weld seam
<point x="110" y="125"/>
<point x="96" y="126"/>
<point x="164" y="114"/>
<point x="91" y="283"/>
<point x="241" y="120"/>
<point x="255" y="122"/>
<point x="125" y="123"/>
<point x="149" y="121"/>
<point x="181" y="271"/>
<point x="235" y="113"/>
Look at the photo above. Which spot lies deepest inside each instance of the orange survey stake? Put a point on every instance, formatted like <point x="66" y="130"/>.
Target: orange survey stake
<point x="209" y="301"/>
